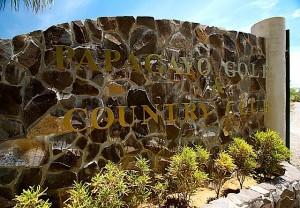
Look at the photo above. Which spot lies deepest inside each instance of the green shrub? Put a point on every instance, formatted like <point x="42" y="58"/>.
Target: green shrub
<point x="270" y="151"/>
<point x="202" y="157"/>
<point x="31" y="199"/>
<point x="185" y="173"/>
<point x="80" y="196"/>
<point x="244" y="158"/>
<point x="222" y="170"/>
<point x="295" y="95"/>
<point x="160" y="189"/>
<point x="109" y="187"/>
<point x="139" y="181"/>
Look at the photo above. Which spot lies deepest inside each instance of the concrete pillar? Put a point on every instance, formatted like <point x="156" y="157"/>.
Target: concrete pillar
<point x="273" y="30"/>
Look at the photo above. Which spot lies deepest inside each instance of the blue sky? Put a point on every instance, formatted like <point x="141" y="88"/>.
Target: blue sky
<point x="237" y="15"/>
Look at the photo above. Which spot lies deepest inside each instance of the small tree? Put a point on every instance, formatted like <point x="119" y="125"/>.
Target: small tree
<point x="222" y="171"/>
<point x="80" y="196"/>
<point x="202" y="157"/>
<point x="160" y="189"/>
<point x="31" y="199"/>
<point x="139" y="181"/>
<point x="244" y="158"/>
<point x="184" y="172"/>
<point x="109" y="186"/>
<point x="270" y="151"/>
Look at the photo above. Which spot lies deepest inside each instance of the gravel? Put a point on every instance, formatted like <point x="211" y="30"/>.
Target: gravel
<point x="295" y="134"/>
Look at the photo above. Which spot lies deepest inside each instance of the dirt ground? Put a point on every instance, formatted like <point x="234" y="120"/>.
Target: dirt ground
<point x="295" y="134"/>
<point x="202" y="194"/>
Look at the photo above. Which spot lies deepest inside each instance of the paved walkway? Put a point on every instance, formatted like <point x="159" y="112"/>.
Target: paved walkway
<point x="295" y="134"/>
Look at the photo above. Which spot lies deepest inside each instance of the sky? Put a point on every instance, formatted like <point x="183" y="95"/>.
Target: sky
<point x="237" y="15"/>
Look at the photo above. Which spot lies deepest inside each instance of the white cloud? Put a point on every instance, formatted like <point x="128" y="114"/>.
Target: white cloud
<point x="264" y="4"/>
<point x="296" y="13"/>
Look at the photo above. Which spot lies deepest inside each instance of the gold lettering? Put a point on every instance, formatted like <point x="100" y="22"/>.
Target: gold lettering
<point x="207" y="71"/>
<point x="187" y="65"/>
<point x="252" y="100"/>
<point x="60" y="55"/>
<point x="231" y="70"/>
<point x="245" y="67"/>
<point x="174" y="66"/>
<point x="228" y="107"/>
<point x="122" y="115"/>
<point x="94" y="120"/>
<point x="217" y="81"/>
<point x="108" y="60"/>
<point x="266" y="106"/>
<point x="90" y="61"/>
<point x="188" y="112"/>
<point x="132" y="61"/>
<point x="214" y="90"/>
<point x="148" y="66"/>
<point x="68" y="117"/>
<point x="264" y="71"/>
<point x="241" y="105"/>
<point x="203" y="108"/>
<point x="253" y="71"/>
<point x="171" y="112"/>
<point x="152" y="115"/>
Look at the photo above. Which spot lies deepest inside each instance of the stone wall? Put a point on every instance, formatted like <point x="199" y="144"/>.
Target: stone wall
<point x="37" y="148"/>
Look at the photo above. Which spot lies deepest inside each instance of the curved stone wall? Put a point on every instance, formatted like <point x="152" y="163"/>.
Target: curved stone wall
<point x="212" y="79"/>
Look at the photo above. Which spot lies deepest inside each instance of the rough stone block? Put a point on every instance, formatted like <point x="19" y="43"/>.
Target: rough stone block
<point x="59" y="180"/>
<point x="264" y="203"/>
<point x="258" y="204"/>
<point x="260" y="190"/>
<point x="10" y="128"/>
<point x="247" y="196"/>
<point x="24" y="152"/>
<point x="7" y="175"/>
<point x="267" y="186"/>
<point x="284" y="198"/>
<point x="296" y="186"/>
<point x="288" y="167"/>
<point x="292" y="173"/>
<point x="10" y="100"/>
<point x="223" y="203"/>
<point x="5" y="50"/>
<point x="208" y="206"/>
<point x="26" y="179"/>
<point x="235" y="199"/>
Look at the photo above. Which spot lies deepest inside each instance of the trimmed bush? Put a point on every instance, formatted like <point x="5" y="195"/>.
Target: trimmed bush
<point x="139" y="181"/>
<point x="270" y="151"/>
<point x="222" y="170"/>
<point x="203" y="157"/>
<point x="244" y="158"/>
<point x="185" y="173"/>
<point x="80" y="196"/>
<point x="109" y="187"/>
<point x="160" y="189"/>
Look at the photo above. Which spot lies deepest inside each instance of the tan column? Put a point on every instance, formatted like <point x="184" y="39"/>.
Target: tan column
<point x="273" y="30"/>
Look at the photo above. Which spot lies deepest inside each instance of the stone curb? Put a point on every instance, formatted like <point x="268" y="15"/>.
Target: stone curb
<point x="282" y="192"/>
